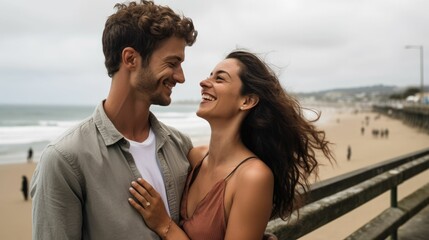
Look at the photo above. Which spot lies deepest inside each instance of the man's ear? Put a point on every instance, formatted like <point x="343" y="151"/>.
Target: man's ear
<point x="129" y="57"/>
<point x="249" y="102"/>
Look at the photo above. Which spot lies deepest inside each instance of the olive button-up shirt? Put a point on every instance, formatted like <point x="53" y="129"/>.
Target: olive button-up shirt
<point x="80" y="186"/>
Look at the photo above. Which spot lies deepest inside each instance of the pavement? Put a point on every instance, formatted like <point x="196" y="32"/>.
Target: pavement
<point x="417" y="228"/>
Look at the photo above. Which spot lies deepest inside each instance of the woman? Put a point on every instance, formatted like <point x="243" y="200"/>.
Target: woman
<point x="261" y="153"/>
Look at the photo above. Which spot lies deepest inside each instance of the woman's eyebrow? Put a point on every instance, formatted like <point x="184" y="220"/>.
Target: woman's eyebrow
<point x="221" y="71"/>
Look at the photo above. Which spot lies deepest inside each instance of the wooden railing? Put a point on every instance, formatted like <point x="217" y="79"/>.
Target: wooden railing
<point x="332" y="198"/>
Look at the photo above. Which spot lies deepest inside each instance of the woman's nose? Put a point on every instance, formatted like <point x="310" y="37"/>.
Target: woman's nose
<point x="205" y="82"/>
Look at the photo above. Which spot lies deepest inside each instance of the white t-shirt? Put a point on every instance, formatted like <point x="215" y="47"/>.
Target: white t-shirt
<point x="146" y="162"/>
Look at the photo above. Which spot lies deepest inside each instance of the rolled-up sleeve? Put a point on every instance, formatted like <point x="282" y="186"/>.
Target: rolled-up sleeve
<point x="57" y="198"/>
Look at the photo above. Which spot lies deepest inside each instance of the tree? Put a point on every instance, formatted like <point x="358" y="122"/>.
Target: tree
<point x="411" y="91"/>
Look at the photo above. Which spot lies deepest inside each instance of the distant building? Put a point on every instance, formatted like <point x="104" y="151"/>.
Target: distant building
<point x="417" y="98"/>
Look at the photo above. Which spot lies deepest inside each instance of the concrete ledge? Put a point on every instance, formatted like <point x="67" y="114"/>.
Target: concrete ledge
<point x="380" y="227"/>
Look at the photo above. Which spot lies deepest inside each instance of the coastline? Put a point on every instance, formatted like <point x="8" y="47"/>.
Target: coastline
<point x="342" y="128"/>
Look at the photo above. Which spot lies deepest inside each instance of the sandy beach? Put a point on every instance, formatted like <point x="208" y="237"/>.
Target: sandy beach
<point x="367" y="150"/>
<point x="343" y="130"/>
<point x="15" y="217"/>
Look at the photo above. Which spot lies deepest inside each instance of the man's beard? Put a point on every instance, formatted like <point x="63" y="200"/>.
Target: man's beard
<point x="149" y="84"/>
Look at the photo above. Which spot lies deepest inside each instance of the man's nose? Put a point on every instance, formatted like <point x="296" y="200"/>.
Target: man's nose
<point x="178" y="75"/>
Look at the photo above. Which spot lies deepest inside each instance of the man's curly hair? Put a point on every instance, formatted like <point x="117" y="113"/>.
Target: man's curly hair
<point x="142" y="26"/>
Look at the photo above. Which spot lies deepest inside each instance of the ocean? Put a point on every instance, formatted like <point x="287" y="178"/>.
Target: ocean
<point x="34" y="126"/>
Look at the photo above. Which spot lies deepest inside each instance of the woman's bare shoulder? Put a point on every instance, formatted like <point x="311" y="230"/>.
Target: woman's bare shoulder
<point x="196" y="154"/>
<point x="255" y="172"/>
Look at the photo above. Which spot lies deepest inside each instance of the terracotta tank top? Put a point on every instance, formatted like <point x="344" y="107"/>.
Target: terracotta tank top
<point x="208" y="221"/>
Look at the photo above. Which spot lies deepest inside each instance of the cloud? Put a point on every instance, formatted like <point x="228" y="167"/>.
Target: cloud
<point x="55" y="46"/>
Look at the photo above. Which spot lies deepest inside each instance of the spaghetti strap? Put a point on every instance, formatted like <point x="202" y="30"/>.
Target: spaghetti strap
<point x="237" y="167"/>
<point x="201" y="161"/>
<point x="196" y="169"/>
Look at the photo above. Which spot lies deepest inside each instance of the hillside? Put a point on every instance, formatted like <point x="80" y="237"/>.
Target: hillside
<point x="357" y="94"/>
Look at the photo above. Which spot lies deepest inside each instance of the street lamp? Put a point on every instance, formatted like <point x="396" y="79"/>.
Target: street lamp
<point x="421" y="68"/>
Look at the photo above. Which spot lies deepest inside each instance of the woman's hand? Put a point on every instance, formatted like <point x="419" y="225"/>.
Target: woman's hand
<point x="150" y="206"/>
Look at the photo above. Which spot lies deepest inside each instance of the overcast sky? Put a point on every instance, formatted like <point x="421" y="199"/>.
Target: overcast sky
<point x="50" y="51"/>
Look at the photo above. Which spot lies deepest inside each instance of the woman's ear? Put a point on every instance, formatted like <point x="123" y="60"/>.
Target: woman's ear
<point x="249" y="102"/>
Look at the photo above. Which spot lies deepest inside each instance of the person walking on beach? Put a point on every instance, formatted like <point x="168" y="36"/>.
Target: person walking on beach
<point x="349" y="152"/>
<point x="30" y="155"/>
<point x="261" y="154"/>
<point x="24" y="187"/>
<point x="80" y="183"/>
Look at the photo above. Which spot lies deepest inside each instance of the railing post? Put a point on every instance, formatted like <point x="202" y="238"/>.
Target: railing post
<point x="394" y="197"/>
<point x="394" y="204"/>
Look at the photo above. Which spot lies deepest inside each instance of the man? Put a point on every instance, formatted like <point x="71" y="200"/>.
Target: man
<point x="80" y="186"/>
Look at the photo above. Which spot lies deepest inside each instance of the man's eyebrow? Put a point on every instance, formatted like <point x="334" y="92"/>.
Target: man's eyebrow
<point x="176" y="58"/>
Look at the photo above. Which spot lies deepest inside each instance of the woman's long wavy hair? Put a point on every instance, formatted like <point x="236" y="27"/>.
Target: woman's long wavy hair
<point x="279" y="134"/>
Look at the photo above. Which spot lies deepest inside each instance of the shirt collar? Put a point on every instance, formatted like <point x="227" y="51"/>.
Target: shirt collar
<point x="111" y="135"/>
<point x="106" y="128"/>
